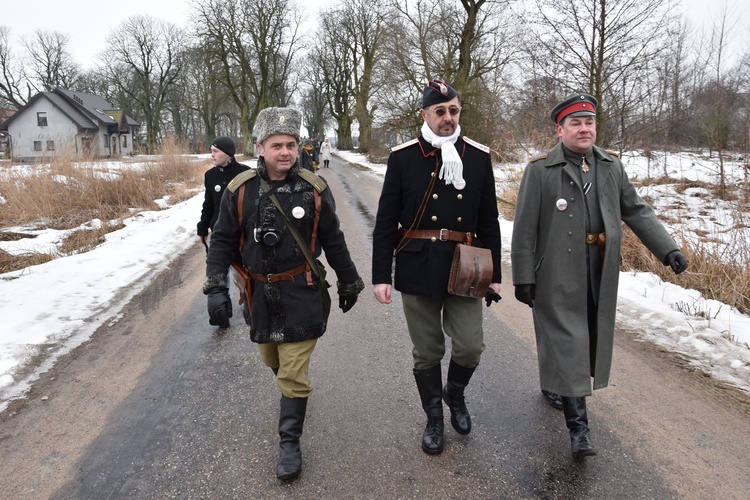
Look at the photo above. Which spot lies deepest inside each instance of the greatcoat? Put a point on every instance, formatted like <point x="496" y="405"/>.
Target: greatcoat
<point x="215" y="181"/>
<point x="549" y="250"/>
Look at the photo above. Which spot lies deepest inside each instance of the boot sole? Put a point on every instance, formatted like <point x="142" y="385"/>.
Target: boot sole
<point x="587" y="453"/>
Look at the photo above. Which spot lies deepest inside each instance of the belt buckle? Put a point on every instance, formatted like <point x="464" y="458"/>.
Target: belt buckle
<point x="268" y="277"/>
<point x="590" y="238"/>
<point x="441" y="238"/>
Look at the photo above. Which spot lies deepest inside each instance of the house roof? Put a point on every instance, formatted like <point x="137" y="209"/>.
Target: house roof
<point x="87" y="111"/>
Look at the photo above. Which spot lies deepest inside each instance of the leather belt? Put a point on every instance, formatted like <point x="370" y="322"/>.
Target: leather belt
<point x="274" y="278"/>
<point x="438" y="235"/>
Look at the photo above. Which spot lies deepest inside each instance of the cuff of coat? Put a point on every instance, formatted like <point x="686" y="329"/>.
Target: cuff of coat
<point x="215" y="281"/>
<point x="348" y="290"/>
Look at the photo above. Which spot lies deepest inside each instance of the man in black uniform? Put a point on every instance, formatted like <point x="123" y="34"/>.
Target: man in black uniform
<point x="215" y="180"/>
<point x="460" y="203"/>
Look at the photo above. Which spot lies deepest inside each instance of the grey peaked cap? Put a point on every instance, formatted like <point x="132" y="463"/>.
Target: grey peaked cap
<point x="273" y="121"/>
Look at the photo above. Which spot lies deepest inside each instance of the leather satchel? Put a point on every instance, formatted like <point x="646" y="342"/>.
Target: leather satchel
<point x="471" y="271"/>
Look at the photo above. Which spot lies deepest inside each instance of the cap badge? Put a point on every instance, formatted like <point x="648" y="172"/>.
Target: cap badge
<point x="443" y="89"/>
<point x="282" y="119"/>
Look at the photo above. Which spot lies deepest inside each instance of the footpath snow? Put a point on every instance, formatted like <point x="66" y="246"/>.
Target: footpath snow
<point x="49" y="309"/>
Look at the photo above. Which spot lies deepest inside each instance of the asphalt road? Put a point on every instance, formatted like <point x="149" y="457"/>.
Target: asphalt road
<point x="159" y="404"/>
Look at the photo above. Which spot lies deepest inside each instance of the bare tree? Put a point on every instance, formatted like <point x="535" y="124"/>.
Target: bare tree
<point x="600" y="47"/>
<point x="12" y="78"/>
<point x="144" y="63"/>
<point x="50" y="65"/>
<point x="254" y="43"/>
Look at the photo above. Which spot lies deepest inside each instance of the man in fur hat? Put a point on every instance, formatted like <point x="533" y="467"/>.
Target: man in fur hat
<point x="461" y="203"/>
<point x="288" y="217"/>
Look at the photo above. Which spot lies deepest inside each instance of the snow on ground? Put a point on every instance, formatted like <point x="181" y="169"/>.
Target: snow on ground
<point x="49" y="309"/>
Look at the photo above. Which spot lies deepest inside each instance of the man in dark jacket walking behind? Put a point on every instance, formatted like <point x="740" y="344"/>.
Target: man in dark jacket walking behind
<point x="565" y="255"/>
<point x="216" y="180"/>
<point x="451" y="177"/>
<point x="288" y="216"/>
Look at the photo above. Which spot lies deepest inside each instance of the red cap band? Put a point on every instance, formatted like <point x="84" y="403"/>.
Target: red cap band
<point x="577" y="106"/>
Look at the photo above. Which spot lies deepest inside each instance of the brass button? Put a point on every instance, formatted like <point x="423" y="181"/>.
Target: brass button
<point x="459" y="219"/>
<point x="433" y="239"/>
<point x="460" y="197"/>
<point x="435" y="196"/>
<point x="434" y="218"/>
<point x="432" y="174"/>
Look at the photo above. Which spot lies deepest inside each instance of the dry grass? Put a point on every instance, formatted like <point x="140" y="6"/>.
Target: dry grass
<point x="67" y="193"/>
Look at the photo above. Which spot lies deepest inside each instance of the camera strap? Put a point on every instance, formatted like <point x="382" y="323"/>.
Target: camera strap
<point x="311" y="264"/>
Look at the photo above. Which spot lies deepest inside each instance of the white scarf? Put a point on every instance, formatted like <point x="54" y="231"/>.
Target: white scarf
<point x="452" y="169"/>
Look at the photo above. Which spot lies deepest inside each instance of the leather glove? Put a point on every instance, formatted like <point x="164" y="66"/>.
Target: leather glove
<point x="525" y="294"/>
<point x="492" y="296"/>
<point x="346" y="302"/>
<point x="677" y="261"/>
<point x="219" y="307"/>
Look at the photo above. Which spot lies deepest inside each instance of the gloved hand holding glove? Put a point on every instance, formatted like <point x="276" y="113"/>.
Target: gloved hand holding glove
<point x="677" y="261"/>
<point x="492" y="296"/>
<point x="525" y="294"/>
<point x="219" y="307"/>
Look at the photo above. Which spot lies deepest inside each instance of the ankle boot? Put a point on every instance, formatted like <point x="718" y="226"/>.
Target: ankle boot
<point x="429" y="384"/>
<point x="291" y="420"/>
<point x="578" y="423"/>
<point x="453" y="395"/>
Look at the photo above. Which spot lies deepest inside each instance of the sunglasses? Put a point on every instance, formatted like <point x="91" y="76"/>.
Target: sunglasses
<point x="453" y="110"/>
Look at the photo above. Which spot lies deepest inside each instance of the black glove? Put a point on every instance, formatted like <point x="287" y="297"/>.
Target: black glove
<point x="346" y="302"/>
<point x="492" y="296"/>
<point x="525" y="294"/>
<point x="677" y="261"/>
<point x="219" y="307"/>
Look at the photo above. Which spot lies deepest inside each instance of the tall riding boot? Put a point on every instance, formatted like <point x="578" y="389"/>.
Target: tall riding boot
<point x="453" y="395"/>
<point x="578" y="423"/>
<point x="291" y="421"/>
<point x="429" y="383"/>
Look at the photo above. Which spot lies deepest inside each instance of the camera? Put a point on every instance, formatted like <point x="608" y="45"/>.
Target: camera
<point x="269" y="236"/>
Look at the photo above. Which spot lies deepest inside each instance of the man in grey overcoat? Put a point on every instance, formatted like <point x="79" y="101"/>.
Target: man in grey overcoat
<point x="565" y="255"/>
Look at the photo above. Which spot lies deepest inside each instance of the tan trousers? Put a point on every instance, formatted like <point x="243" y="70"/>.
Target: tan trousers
<point x="293" y="361"/>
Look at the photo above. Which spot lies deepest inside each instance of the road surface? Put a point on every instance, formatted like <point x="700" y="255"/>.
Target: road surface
<point x="161" y="405"/>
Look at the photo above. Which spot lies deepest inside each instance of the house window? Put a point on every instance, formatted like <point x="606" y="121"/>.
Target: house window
<point x="41" y="119"/>
<point x="37" y="145"/>
<point x="50" y="145"/>
<point x="106" y="141"/>
<point x="124" y="141"/>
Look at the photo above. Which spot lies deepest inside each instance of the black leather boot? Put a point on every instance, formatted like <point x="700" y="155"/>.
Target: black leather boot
<point x="429" y="384"/>
<point x="453" y="395"/>
<point x="578" y="423"/>
<point x="553" y="399"/>
<point x="291" y="420"/>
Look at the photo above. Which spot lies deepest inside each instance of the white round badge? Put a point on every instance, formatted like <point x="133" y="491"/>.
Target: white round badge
<point x="562" y="204"/>
<point x="459" y="184"/>
<point x="217" y="188"/>
<point x="298" y="212"/>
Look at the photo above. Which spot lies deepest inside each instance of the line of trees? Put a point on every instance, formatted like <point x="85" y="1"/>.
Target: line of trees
<point x="360" y="71"/>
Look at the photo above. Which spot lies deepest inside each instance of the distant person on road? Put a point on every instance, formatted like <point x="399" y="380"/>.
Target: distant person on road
<point x="461" y="205"/>
<point x="216" y="180"/>
<point x="288" y="217"/>
<point x="565" y="256"/>
<point x="325" y="153"/>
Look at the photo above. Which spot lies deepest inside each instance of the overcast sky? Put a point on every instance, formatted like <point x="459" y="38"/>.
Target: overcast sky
<point x="87" y="22"/>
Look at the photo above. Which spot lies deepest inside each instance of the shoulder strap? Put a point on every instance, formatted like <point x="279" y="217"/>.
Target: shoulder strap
<point x="313" y="179"/>
<point x="241" y="178"/>
<point x="311" y="264"/>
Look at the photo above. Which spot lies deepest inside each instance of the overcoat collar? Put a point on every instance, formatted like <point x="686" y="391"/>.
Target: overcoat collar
<point x="556" y="158"/>
<point x="428" y="149"/>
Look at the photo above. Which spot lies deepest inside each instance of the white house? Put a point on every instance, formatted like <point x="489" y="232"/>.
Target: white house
<point x="72" y="122"/>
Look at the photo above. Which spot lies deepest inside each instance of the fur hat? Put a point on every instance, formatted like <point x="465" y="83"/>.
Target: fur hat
<point x="225" y="144"/>
<point x="437" y="91"/>
<point x="273" y="121"/>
